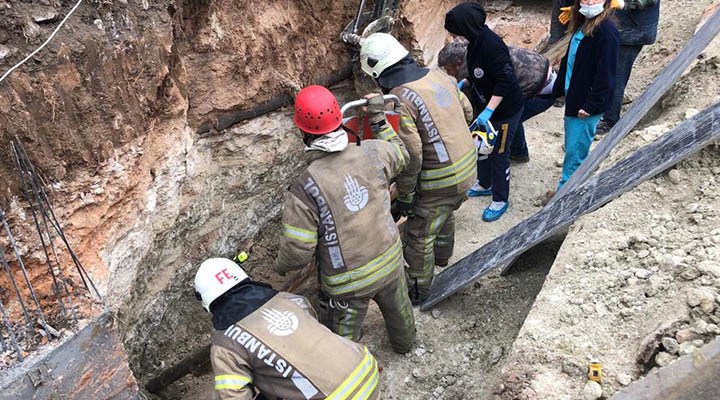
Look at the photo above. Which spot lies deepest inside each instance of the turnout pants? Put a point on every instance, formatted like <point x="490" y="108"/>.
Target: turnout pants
<point x="345" y="317"/>
<point x="427" y="236"/>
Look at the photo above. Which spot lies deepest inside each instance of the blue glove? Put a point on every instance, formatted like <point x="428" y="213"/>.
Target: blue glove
<point x="484" y="117"/>
<point x="461" y="84"/>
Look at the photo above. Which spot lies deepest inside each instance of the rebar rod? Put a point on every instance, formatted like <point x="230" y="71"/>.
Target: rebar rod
<point x="35" y="185"/>
<point x="26" y="194"/>
<point x="11" y="332"/>
<point x="24" y="272"/>
<point x="58" y="229"/>
<point x="14" y="285"/>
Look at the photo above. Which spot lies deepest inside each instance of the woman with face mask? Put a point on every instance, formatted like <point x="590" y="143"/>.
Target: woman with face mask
<point x="586" y="77"/>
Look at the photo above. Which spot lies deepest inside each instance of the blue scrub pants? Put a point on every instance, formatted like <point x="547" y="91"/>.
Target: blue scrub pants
<point x="579" y="134"/>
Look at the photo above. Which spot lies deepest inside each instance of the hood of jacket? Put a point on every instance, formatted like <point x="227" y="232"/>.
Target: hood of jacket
<point x="468" y="20"/>
<point x="239" y="302"/>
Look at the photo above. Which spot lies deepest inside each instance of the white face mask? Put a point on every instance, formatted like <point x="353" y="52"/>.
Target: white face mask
<point x="591" y="11"/>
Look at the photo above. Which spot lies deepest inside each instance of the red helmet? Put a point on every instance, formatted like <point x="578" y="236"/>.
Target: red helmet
<point x="317" y="111"/>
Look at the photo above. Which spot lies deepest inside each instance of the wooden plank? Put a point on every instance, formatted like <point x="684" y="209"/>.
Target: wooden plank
<point x="694" y="376"/>
<point x="640" y="107"/>
<point x="91" y="365"/>
<point x="686" y="139"/>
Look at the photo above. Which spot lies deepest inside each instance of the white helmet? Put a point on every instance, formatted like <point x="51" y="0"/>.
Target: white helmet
<point x="215" y="277"/>
<point x="378" y="52"/>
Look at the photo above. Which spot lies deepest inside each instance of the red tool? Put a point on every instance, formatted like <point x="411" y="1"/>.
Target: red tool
<point x="352" y="123"/>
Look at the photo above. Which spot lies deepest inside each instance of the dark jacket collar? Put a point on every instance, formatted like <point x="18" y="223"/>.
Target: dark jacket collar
<point x="239" y="302"/>
<point x="406" y="70"/>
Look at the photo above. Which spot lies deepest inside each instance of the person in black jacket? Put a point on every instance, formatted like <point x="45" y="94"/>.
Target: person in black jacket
<point x="586" y="78"/>
<point x="491" y="71"/>
<point x="638" y="24"/>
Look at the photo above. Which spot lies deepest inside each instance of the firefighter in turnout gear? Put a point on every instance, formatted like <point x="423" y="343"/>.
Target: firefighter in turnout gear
<point x="443" y="156"/>
<point x="269" y="342"/>
<point x="338" y="210"/>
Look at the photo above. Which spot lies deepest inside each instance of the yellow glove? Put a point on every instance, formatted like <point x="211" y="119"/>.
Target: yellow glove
<point x="620" y="4"/>
<point x="566" y="14"/>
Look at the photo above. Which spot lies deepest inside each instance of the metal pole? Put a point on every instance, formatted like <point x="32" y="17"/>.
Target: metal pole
<point x="11" y="332"/>
<point x="21" y="158"/>
<point x="24" y="271"/>
<point x="14" y="285"/>
<point x="21" y="173"/>
<point x="56" y="224"/>
<point x="359" y="14"/>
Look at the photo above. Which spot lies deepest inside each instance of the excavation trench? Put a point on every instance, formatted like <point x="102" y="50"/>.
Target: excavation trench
<point x="168" y="174"/>
<point x="460" y="343"/>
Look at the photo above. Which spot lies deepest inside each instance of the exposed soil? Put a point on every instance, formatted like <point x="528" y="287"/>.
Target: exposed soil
<point x="145" y="199"/>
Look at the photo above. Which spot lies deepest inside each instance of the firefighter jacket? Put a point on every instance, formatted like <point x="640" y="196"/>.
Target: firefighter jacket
<point x="339" y="210"/>
<point x="281" y="350"/>
<point x="433" y="127"/>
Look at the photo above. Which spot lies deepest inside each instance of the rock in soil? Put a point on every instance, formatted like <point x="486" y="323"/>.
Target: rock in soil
<point x="671" y="345"/>
<point x="686" y="335"/>
<point x="592" y="391"/>
<point x="624" y="379"/>
<point x="662" y="358"/>
<point x="686" y="348"/>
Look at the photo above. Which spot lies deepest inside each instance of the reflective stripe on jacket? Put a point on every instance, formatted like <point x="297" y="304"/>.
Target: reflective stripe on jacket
<point x="339" y="210"/>
<point x="282" y="351"/>
<point x="433" y="125"/>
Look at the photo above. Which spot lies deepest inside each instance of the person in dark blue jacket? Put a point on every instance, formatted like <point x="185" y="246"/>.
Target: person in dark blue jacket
<point x="638" y="24"/>
<point x="586" y="78"/>
<point x="491" y="71"/>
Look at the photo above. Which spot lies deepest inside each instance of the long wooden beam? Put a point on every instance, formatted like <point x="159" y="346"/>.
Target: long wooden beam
<point x="694" y="376"/>
<point x="686" y="139"/>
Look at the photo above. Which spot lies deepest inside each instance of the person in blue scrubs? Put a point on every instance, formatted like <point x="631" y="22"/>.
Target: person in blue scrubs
<point x="586" y="78"/>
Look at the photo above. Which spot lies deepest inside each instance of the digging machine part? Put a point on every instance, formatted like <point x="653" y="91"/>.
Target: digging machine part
<point x="650" y="160"/>
<point x="363" y="131"/>
<point x="639" y="108"/>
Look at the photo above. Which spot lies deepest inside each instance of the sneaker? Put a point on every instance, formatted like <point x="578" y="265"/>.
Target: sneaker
<point x="602" y="128"/>
<point x="478" y="190"/>
<point x="547" y="197"/>
<point x="495" y="211"/>
<point x="520" y="159"/>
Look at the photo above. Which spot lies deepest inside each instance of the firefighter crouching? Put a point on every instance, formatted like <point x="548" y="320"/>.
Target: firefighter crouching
<point x="269" y="342"/>
<point x="338" y="210"/>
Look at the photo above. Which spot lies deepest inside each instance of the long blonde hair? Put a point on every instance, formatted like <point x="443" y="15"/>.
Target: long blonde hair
<point x="589" y="25"/>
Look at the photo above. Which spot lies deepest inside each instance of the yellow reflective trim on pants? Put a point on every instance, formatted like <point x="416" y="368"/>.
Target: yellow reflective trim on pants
<point x="504" y="129"/>
<point x="366" y="275"/>
<point x="460" y="176"/>
<point x="303" y="235"/>
<point x="443" y="172"/>
<point x="231" y="382"/>
<point x="366" y="270"/>
<point x="360" y="373"/>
